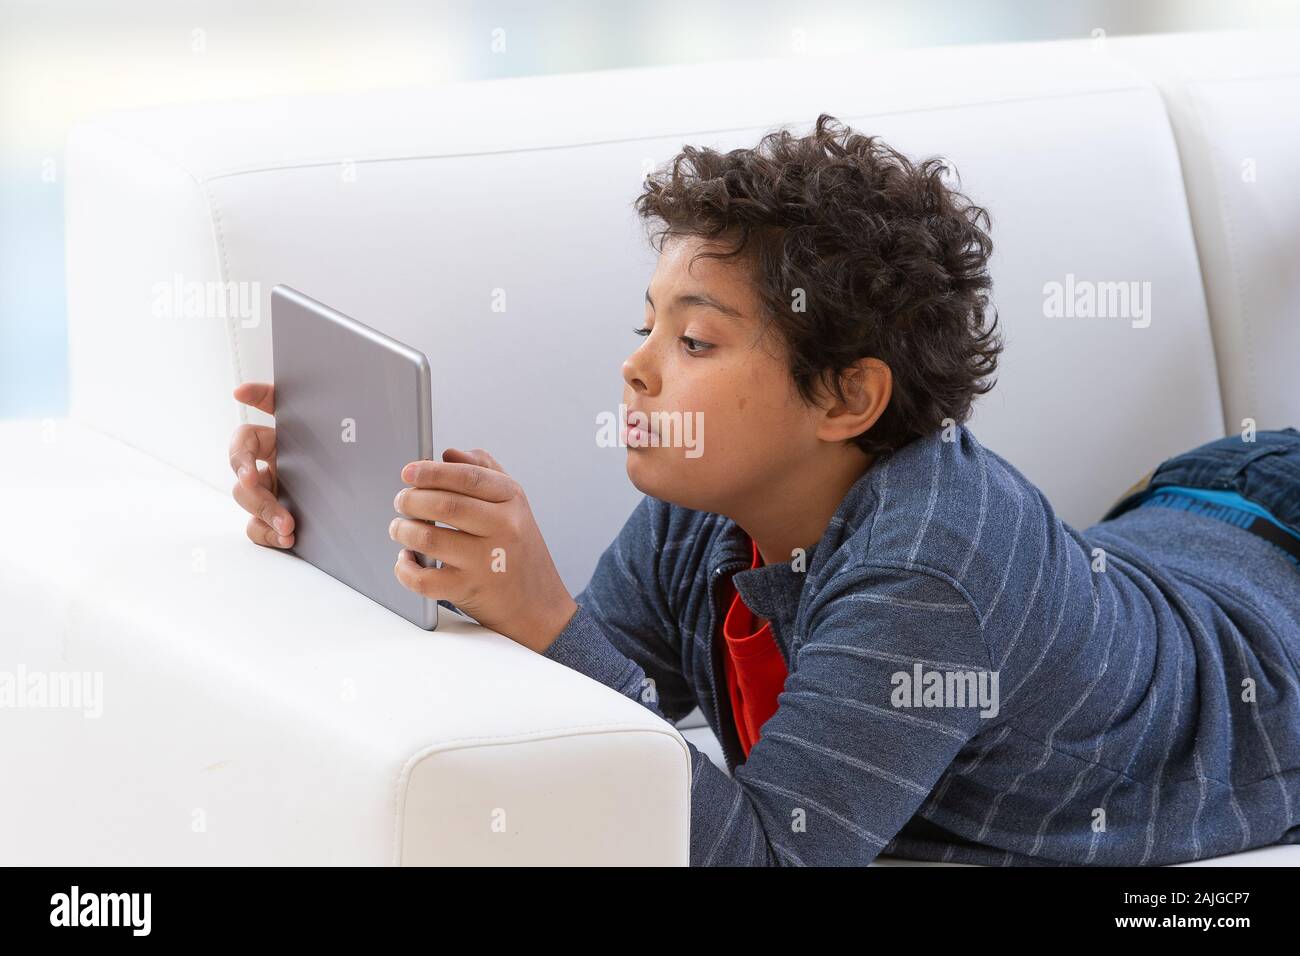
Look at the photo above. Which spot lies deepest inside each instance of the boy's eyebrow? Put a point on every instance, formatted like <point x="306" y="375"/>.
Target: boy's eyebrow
<point x="698" y="299"/>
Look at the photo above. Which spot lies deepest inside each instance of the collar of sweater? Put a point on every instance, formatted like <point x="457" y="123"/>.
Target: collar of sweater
<point x="773" y="590"/>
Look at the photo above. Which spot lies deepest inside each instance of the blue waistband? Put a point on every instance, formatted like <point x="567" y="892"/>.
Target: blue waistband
<point x="1227" y="506"/>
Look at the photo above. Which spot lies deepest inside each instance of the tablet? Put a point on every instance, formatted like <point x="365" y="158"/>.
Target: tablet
<point x="352" y="407"/>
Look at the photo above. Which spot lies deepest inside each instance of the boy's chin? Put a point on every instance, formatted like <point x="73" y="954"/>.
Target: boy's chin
<point x="650" y="477"/>
<point x="641" y="476"/>
<point x="658" y="481"/>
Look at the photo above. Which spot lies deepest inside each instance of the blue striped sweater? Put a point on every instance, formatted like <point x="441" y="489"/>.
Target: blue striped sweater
<point x="971" y="679"/>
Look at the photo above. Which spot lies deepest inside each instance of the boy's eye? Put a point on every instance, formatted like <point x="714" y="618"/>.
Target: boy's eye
<point x="693" y="346"/>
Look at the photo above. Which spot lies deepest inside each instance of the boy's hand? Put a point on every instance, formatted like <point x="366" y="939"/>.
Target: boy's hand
<point x="255" y="489"/>
<point x="496" y="567"/>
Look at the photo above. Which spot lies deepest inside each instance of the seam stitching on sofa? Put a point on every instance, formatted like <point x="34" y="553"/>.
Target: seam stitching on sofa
<point x="462" y="743"/>
<point x="1283" y="74"/>
<point x="1231" y="243"/>
<point x="223" y="270"/>
<point x="848" y="118"/>
<point x="148" y="148"/>
<point x="1207" y="331"/>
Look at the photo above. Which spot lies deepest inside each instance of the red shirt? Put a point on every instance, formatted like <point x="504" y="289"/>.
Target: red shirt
<point x="753" y="663"/>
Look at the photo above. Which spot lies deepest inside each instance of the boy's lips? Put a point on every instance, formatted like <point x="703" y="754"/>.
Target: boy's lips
<point x="639" y="435"/>
<point x="644" y="419"/>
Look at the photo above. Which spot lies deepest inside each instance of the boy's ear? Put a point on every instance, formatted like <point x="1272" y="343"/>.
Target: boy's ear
<point x="867" y="386"/>
<point x="877" y="384"/>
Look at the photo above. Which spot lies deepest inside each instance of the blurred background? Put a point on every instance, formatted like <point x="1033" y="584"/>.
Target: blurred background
<point x="62" y="61"/>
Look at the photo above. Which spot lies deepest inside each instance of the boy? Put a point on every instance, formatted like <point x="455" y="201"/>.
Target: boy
<point x="900" y="646"/>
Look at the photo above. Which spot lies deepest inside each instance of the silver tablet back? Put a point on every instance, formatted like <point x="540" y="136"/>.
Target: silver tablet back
<point x="352" y="406"/>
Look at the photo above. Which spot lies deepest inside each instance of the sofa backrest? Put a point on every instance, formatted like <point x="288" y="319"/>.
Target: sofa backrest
<point x="423" y="212"/>
<point x="1234" y="101"/>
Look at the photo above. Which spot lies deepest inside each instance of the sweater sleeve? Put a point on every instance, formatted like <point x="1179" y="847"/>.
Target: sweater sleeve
<point x="625" y="633"/>
<point x="847" y="758"/>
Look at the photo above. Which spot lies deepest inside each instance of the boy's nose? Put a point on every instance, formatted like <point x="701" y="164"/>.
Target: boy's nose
<point x="637" y="376"/>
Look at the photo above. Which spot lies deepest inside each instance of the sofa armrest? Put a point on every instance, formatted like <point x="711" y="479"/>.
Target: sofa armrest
<point x="240" y="706"/>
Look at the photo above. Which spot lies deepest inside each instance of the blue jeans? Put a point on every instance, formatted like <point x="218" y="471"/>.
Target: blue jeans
<point x="1265" y="472"/>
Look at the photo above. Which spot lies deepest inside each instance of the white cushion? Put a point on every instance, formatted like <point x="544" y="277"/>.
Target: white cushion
<point x="255" y="711"/>
<point x="1233" y="99"/>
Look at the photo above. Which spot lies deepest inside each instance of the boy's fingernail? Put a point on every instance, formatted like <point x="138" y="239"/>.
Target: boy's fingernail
<point x="284" y="541"/>
<point x="243" y="471"/>
<point x="408" y="473"/>
<point x="281" y="526"/>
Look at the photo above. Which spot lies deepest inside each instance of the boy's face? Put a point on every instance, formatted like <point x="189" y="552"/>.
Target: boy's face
<point x="732" y="388"/>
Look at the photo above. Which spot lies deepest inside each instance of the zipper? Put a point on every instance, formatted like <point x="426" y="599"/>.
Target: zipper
<point x="729" y="738"/>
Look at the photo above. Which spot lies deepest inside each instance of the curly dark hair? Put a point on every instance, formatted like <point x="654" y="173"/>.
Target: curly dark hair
<point x="892" y="261"/>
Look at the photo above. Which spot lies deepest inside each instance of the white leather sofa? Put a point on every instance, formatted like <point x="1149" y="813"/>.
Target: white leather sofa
<point x="256" y="711"/>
